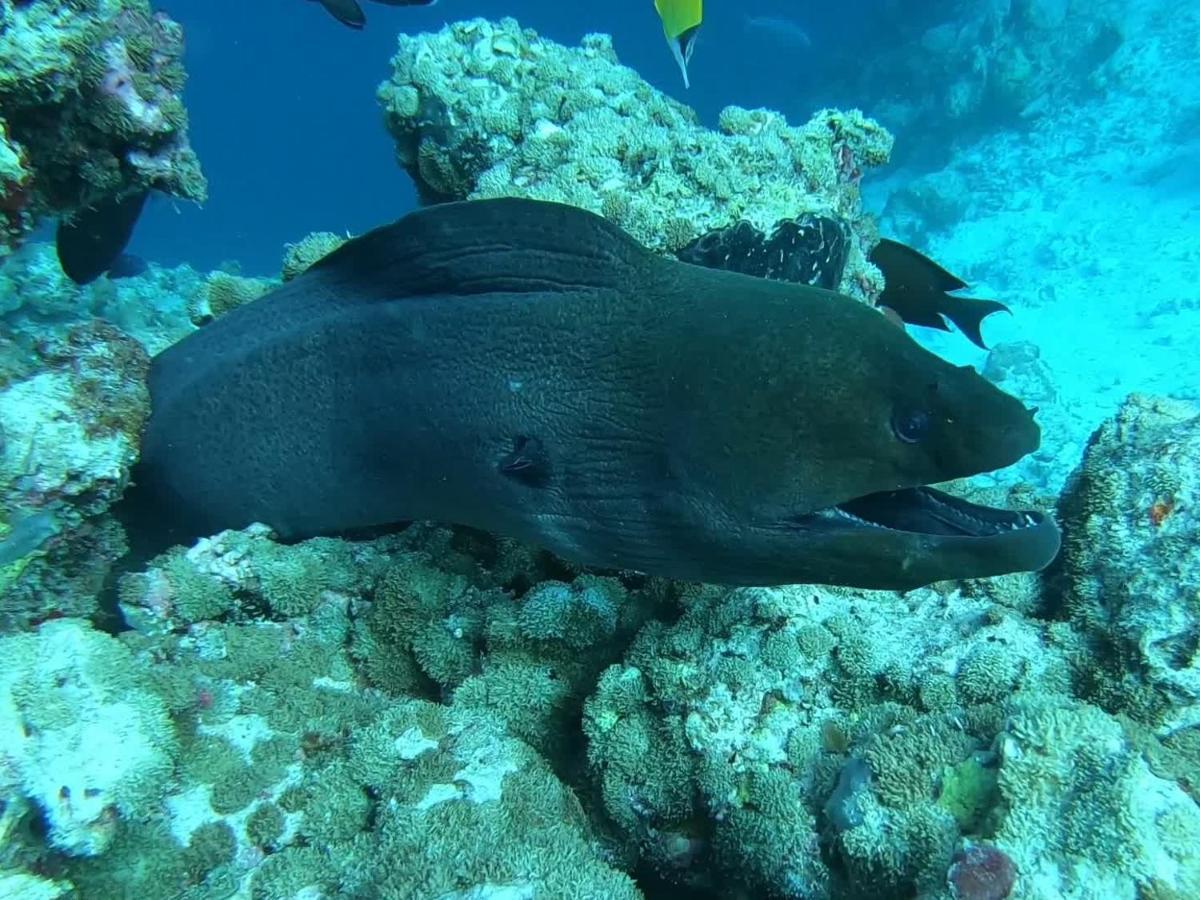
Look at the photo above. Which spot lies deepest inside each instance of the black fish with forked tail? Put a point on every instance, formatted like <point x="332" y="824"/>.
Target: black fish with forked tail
<point x="349" y="13"/>
<point x="527" y="368"/>
<point x="921" y="292"/>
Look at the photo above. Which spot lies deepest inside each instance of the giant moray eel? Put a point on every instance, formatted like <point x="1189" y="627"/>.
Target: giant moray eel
<point x="527" y="368"/>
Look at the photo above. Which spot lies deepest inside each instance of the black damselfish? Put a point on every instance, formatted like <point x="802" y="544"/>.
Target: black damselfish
<point x="529" y="369"/>
<point x="919" y="291"/>
<point x="93" y="241"/>
<point x="349" y="13"/>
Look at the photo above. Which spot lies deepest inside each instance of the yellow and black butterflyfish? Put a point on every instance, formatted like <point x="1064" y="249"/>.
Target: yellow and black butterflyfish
<point x="681" y="21"/>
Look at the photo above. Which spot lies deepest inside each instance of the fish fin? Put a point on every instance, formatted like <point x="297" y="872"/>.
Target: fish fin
<point x="681" y="23"/>
<point x="968" y="314"/>
<point x="94" y="239"/>
<point x="348" y="12"/>
<point x="681" y="49"/>
<point x="919" y="291"/>
<point x="900" y="262"/>
<point x="527" y="462"/>
<point x="474" y="247"/>
<point x="679" y="16"/>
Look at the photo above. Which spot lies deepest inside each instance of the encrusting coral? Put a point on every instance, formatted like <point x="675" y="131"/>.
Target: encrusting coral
<point x="90" y="109"/>
<point x="487" y="109"/>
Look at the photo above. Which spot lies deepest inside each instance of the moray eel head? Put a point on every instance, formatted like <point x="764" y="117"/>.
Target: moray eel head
<point x="823" y="468"/>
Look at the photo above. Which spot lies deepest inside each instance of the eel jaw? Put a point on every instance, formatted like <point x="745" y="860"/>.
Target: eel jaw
<point x="912" y="537"/>
<point x="926" y="511"/>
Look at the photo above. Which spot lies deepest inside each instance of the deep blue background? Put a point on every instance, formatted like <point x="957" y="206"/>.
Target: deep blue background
<point x="284" y="116"/>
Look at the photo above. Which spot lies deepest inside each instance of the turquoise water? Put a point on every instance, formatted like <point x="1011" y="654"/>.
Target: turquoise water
<point x="678" y="615"/>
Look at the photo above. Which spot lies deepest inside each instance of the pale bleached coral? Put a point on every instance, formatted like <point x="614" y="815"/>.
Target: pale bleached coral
<point x="82" y="737"/>
<point x="90" y="93"/>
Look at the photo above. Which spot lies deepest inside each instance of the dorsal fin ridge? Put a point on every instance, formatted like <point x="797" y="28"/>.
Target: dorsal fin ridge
<point x="507" y="244"/>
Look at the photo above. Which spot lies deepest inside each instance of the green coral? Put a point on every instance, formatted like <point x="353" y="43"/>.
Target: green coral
<point x="424" y="784"/>
<point x="906" y="761"/>
<point x="486" y="109"/>
<point x="988" y="674"/>
<point x="294" y="580"/>
<point x="146" y="861"/>
<point x="579" y="615"/>
<point x="265" y="825"/>
<point x="173" y="589"/>
<point x="65" y="142"/>
<point x="298" y="257"/>
<point x="969" y="792"/>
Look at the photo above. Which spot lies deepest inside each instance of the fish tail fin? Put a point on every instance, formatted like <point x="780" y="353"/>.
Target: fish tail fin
<point x="968" y="314"/>
<point x="681" y="23"/>
<point x="91" y="242"/>
<point x="348" y="12"/>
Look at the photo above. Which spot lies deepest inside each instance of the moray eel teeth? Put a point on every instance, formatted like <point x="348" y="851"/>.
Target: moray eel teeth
<point x="928" y="511"/>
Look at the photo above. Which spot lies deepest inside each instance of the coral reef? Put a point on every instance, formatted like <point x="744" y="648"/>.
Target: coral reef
<point x="767" y="725"/>
<point x="37" y="302"/>
<point x="90" y="93"/>
<point x="1131" y="564"/>
<point x="299" y="256"/>
<point x="437" y="713"/>
<point x="485" y="109"/>
<point x="70" y="435"/>
<point x="81" y="737"/>
<point x="293" y="778"/>
<point x="820" y="743"/>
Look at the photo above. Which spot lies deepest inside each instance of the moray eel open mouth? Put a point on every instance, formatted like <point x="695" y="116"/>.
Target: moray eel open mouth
<point x="920" y="535"/>
<point x="923" y="510"/>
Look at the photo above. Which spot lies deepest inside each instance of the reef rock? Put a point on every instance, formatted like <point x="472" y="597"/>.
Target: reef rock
<point x="90" y="94"/>
<point x="1131" y="561"/>
<point x="485" y="109"/>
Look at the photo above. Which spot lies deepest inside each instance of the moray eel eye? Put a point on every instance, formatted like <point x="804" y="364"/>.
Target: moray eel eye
<point x="910" y="425"/>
